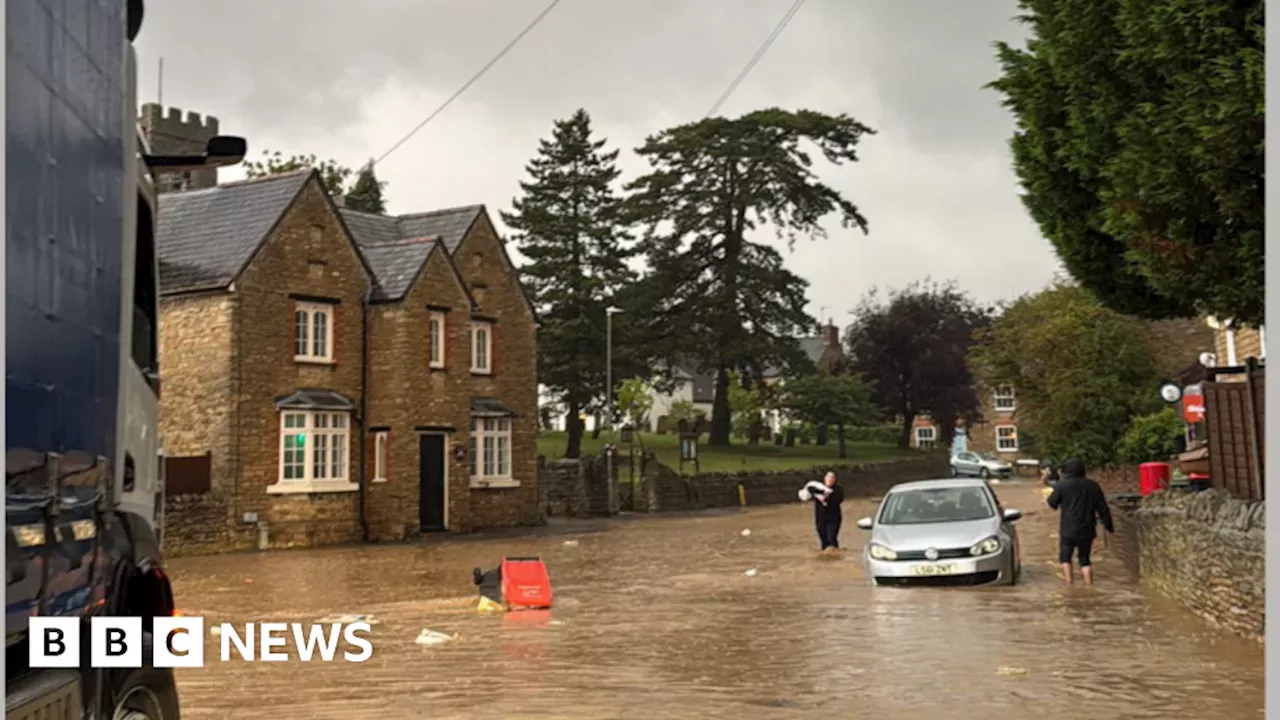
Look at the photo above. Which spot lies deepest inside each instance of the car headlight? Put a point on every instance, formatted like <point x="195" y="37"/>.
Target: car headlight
<point x="880" y="552"/>
<point x="987" y="547"/>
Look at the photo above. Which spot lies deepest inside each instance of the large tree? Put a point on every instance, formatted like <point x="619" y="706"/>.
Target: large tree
<point x="566" y="224"/>
<point x="913" y="347"/>
<point x="1081" y="371"/>
<point x="826" y="400"/>
<point x="1140" y="143"/>
<point x="366" y="192"/>
<point x="714" y="292"/>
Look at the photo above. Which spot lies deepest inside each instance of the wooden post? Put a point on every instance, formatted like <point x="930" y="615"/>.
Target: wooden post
<point x="742" y="496"/>
<point x="1255" y="464"/>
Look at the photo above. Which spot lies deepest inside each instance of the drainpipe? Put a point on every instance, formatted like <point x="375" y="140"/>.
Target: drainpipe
<point x="364" y="408"/>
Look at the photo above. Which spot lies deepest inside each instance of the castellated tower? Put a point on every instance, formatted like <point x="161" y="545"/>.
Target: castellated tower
<point x="169" y="133"/>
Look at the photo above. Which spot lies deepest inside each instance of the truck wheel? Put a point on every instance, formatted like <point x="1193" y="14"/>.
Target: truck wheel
<point x="147" y="694"/>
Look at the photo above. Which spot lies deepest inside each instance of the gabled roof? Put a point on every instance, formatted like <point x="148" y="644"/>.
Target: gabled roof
<point x="397" y="247"/>
<point x="206" y="237"/>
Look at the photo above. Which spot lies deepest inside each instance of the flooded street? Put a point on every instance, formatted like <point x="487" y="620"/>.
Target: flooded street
<point x="657" y="617"/>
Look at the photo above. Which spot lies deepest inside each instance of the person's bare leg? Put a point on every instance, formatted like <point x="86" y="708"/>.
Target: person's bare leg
<point x="1066" y="572"/>
<point x="1086" y="572"/>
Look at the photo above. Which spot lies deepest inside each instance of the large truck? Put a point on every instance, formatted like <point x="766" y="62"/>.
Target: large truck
<point x="84" y="485"/>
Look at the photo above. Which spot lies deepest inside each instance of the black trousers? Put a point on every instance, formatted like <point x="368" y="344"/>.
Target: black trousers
<point x="829" y="531"/>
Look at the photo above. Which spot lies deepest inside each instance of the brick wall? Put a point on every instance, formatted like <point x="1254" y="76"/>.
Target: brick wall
<point x="1123" y="479"/>
<point x="662" y="489"/>
<point x="496" y="289"/>
<point x="1207" y="551"/>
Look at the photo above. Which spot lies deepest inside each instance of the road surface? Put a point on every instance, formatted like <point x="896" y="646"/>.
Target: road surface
<point x="659" y="617"/>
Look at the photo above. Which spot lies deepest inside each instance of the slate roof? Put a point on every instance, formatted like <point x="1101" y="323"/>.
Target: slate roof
<point x="207" y="236"/>
<point x="397" y="246"/>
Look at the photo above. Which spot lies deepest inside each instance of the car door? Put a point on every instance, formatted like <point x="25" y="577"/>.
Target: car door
<point x="965" y="464"/>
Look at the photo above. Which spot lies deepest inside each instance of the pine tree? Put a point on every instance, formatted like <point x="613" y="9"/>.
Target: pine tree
<point x="566" y="224"/>
<point x="366" y="193"/>
<point x="714" y="293"/>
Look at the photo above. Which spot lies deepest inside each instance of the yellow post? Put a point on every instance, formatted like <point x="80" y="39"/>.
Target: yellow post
<point x="742" y="495"/>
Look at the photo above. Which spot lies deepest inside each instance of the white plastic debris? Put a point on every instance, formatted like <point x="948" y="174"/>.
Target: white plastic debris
<point x="1011" y="671"/>
<point x="431" y="637"/>
<point x="571" y="543"/>
<point x="751" y="573"/>
<point x="348" y="618"/>
<point x="746" y="532"/>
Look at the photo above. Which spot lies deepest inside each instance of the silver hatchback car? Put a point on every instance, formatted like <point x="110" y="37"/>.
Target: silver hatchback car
<point x="942" y="532"/>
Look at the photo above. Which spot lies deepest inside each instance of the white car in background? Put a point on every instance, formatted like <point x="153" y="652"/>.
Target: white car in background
<point x="942" y="532"/>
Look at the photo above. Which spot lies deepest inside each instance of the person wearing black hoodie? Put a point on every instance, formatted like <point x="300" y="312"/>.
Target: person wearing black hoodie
<point x="1080" y="503"/>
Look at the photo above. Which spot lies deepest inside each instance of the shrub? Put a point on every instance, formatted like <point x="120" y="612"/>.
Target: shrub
<point x="1151" y="437"/>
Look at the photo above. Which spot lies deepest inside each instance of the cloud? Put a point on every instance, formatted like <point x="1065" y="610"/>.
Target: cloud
<point x="347" y="81"/>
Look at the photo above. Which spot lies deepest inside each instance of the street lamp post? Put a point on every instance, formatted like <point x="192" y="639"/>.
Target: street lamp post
<point x="608" y="381"/>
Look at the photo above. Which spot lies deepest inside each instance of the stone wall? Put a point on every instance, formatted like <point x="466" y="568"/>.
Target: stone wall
<point x="1206" y="550"/>
<point x="663" y="489"/>
<point x="195" y="524"/>
<point x="577" y="488"/>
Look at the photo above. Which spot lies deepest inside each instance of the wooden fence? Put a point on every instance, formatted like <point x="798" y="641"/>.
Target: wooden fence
<point x="1235" y="417"/>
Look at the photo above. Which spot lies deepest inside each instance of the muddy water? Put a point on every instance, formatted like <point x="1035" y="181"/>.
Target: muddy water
<point x="658" y="618"/>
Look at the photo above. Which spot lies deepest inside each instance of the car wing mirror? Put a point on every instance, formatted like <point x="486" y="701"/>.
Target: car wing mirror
<point x="864" y="523"/>
<point x="1011" y="515"/>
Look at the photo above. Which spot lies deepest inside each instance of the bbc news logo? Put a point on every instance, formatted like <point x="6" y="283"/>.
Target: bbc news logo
<point x="178" y="642"/>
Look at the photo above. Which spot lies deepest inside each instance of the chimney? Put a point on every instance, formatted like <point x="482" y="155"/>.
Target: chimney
<point x="830" y="334"/>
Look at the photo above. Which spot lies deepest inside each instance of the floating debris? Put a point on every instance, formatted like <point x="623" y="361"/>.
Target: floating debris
<point x="348" y="618"/>
<point x="571" y="543"/>
<point x="751" y="573"/>
<point x="431" y="637"/>
<point x="1011" y="671"/>
<point x="746" y="532"/>
<point x="487" y="605"/>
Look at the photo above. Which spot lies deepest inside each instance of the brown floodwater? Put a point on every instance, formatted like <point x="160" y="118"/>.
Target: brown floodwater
<point x="657" y="617"/>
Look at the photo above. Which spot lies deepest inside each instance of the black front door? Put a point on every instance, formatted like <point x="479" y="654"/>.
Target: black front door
<point x="431" y="482"/>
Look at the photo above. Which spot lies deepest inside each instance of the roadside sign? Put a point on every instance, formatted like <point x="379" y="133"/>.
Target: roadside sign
<point x="1170" y="393"/>
<point x="1192" y="406"/>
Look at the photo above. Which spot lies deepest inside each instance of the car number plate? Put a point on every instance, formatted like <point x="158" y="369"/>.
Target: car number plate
<point x="947" y="569"/>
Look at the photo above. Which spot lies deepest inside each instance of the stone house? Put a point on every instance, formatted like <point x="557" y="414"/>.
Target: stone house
<point x="340" y="390"/>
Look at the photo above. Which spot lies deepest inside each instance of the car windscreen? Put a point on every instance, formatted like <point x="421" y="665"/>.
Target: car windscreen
<point x="936" y="505"/>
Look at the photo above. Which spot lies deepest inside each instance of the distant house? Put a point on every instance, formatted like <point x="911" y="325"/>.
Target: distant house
<point x="343" y="376"/>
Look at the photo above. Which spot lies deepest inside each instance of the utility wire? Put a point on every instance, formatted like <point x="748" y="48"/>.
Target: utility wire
<point x="764" y="48"/>
<point x="493" y="61"/>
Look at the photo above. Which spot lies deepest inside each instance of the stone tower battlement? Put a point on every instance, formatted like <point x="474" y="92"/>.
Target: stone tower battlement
<point x="170" y="132"/>
<point x="172" y="121"/>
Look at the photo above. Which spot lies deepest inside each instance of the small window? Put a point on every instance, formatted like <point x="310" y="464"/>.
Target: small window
<point x="435" y="340"/>
<point x="1004" y="399"/>
<point x="1007" y="438"/>
<point x="481" y="348"/>
<point x="380" y="456"/>
<point x="313" y="333"/>
<point x="925" y="437"/>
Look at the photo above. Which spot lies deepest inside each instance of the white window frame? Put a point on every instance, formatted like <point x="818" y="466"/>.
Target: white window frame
<point x="490" y="436"/>
<point x="304" y="320"/>
<point x="380" y="439"/>
<point x="435" y="340"/>
<point x="1002" y="449"/>
<point x="481" y="362"/>
<point x="330" y="472"/>
<point x="931" y="440"/>
<point x="1004" y="393"/>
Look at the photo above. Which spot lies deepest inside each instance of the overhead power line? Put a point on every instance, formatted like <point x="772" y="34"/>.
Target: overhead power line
<point x="764" y="48"/>
<point x="759" y="53"/>
<point x="479" y="74"/>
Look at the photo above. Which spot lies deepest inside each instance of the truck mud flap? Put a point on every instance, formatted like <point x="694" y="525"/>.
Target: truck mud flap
<point x="47" y="695"/>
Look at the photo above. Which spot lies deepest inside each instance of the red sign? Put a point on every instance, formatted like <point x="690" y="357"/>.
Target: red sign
<point x="1193" y="406"/>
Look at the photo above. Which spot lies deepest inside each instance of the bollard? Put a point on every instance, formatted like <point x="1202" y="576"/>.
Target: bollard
<point x="742" y="495"/>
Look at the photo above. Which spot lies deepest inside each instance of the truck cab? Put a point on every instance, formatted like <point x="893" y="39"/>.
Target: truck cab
<point x="84" y="500"/>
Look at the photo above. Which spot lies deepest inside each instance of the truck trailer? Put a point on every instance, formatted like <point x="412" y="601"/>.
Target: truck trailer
<point x="84" y="468"/>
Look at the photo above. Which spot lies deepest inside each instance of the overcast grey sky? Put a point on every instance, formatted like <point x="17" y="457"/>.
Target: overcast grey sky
<point x="347" y="80"/>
